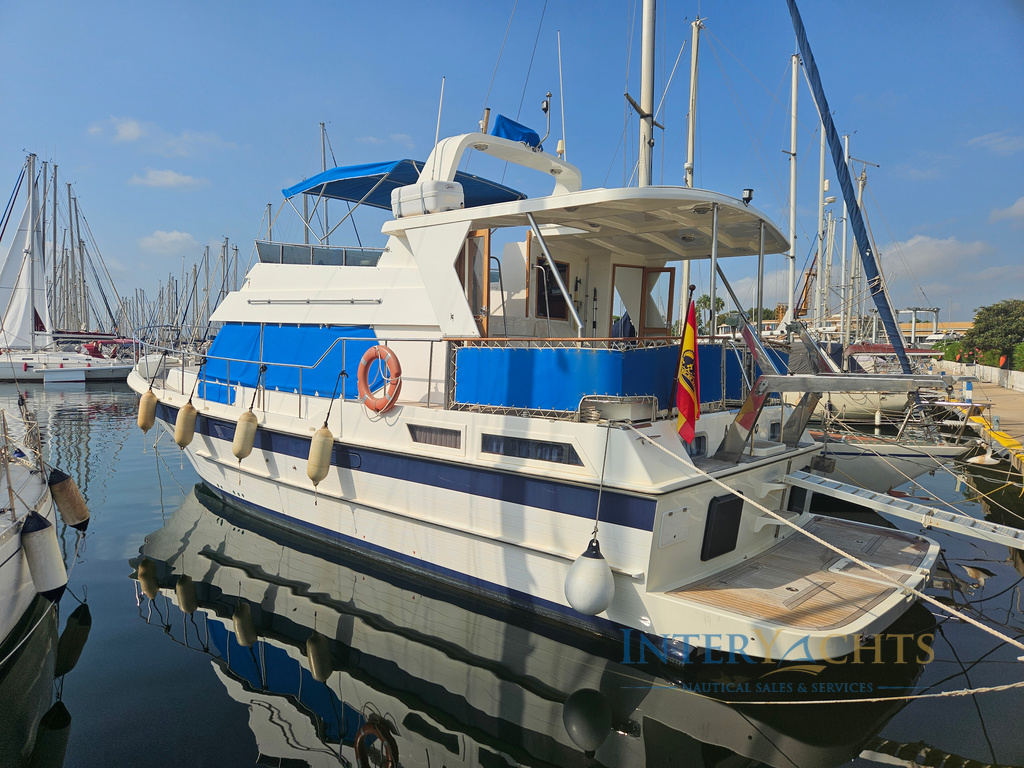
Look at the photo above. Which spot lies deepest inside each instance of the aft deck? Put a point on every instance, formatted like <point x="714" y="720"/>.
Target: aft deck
<point x="799" y="583"/>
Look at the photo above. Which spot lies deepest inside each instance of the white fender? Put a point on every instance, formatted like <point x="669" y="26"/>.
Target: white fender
<point x="39" y="542"/>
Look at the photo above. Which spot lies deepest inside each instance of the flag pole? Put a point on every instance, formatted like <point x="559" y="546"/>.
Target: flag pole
<point x="682" y="338"/>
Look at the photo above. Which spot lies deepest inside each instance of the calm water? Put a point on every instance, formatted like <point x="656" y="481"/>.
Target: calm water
<point x="274" y="651"/>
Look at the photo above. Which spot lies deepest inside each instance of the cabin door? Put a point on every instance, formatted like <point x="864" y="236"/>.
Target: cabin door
<point x="641" y="301"/>
<point x="658" y="289"/>
<point x="473" y="269"/>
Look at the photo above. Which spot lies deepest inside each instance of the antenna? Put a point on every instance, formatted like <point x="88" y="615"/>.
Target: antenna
<point x="437" y="133"/>
<point x="560" y="151"/>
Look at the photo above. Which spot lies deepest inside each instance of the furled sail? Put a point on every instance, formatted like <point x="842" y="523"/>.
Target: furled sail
<point x="26" y="319"/>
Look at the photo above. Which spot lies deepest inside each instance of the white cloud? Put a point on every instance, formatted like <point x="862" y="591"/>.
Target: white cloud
<point x="152" y="138"/>
<point x="166" y="179"/>
<point x="1014" y="213"/>
<point x="118" y="129"/>
<point x="168" y="243"/>
<point x="925" y="255"/>
<point x="128" y="130"/>
<point x="1001" y="142"/>
<point x="371" y="140"/>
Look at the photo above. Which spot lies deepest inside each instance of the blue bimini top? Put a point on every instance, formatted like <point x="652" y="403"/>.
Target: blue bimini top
<point x="372" y="183"/>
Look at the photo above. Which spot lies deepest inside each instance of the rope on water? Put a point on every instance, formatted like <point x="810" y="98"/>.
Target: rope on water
<point x="875" y="700"/>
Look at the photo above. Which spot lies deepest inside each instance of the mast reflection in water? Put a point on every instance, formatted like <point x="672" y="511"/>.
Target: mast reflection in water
<point x="338" y="658"/>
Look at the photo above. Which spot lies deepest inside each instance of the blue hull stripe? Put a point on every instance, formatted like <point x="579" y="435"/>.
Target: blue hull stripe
<point x="523" y="599"/>
<point x="564" y="498"/>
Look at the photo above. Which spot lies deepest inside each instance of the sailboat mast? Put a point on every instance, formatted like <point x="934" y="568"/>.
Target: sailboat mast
<point x="691" y="144"/>
<point x="844" y="328"/>
<point x="30" y="256"/>
<point x="83" y="301"/>
<point x="646" y="93"/>
<point x="42" y="213"/>
<point x="821" y="230"/>
<point x="691" y="116"/>
<point x="792" y="185"/>
<point x="54" y="293"/>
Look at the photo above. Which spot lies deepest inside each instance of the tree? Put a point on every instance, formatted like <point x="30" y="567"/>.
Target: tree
<point x="704" y="311"/>
<point x="997" y="327"/>
<point x="766" y="314"/>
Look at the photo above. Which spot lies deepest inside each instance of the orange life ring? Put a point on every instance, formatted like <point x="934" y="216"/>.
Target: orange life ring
<point x="379" y="729"/>
<point x="394" y="383"/>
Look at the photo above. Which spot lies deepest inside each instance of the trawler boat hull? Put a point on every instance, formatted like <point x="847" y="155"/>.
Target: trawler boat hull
<point x="513" y="536"/>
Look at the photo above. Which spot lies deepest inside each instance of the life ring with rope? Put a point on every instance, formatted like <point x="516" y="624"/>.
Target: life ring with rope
<point x="387" y="400"/>
<point x="379" y="729"/>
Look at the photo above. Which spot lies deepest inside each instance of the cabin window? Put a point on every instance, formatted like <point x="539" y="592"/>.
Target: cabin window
<point x="439" y="436"/>
<point x="775" y="431"/>
<point x="522" y="448"/>
<point x="699" y="446"/>
<point x="550" y="301"/>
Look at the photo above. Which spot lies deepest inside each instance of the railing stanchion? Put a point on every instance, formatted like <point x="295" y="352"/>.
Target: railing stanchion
<point x="430" y="371"/>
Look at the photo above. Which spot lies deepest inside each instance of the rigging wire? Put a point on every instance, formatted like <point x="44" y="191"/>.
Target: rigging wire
<point x="498" y="61"/>
<point x="529" y="69"/>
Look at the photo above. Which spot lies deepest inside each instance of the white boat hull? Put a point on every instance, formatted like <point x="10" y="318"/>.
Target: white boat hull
<point x="883" y="464"/>
<point x="61" y="368"/>
<point x="16" y="586"/>
<point x="514" y="538"/>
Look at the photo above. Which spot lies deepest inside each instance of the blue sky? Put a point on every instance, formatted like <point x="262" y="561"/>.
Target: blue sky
<point x="178" y="122"/>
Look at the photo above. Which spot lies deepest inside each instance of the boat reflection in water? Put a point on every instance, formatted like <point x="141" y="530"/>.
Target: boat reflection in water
<point x="35" y="724"/>
<point x="343" y="659"/>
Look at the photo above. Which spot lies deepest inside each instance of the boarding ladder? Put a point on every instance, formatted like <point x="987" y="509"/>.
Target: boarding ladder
<point x="929" y="517"/>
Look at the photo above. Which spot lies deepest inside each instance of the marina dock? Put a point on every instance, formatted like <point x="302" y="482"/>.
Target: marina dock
<point x="1000" y="421"/>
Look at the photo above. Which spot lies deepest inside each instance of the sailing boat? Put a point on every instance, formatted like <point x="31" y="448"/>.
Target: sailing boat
<point x="26" y="331"/>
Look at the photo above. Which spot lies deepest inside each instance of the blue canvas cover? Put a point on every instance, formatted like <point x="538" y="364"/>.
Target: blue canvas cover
<point x="287" y="346"/>
<point x="375" y="181"/>
<point x="557" y="379"/>
<point x="554" y="379"/>
<point x="504" y="128"/>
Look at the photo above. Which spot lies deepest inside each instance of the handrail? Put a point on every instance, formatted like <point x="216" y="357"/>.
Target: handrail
<point x="179" y="357"/>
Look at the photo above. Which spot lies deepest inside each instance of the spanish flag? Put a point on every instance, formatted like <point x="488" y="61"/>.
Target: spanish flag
<point x="688" y="379"/>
